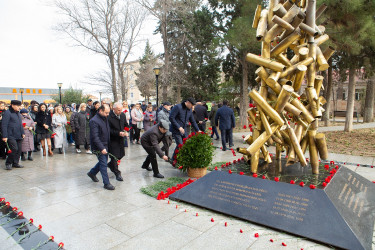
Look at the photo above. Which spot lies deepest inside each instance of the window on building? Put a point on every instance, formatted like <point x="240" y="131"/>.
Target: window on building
<point x="344" y="95"/>
<point x="131" y="95"/>
<point x="357" y="96"/>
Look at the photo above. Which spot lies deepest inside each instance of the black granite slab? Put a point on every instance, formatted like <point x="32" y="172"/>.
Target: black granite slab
<point x="298" y="210"/>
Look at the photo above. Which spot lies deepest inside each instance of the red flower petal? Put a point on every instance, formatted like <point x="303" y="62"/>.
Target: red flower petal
<point x="196" y="214"/>
<point x="212" y="220"/>
<point x="61" y="245"/>
<point x="271" y="240"/>
<point x="40" y="227"/>
<point x="15" y="209"/>
<point x="241" y="231"/>
<point x="256" y="235"/>
<point x="244" y="126"/>
<point x="51" y="238"/>
<point x="326" y="166"/>
<point x="20" y="213"/>
<point x="283" y="244"/>
<point x="226" y="224"/>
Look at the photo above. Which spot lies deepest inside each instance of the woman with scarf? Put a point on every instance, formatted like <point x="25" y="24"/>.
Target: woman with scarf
<point x="149" y="118"/>
<point x="27" y="142"/>
<point x="137" y="122"/>
<point x="82" y="129"/>
<point x="43" y="130"/>
<point x="58" y="123"/>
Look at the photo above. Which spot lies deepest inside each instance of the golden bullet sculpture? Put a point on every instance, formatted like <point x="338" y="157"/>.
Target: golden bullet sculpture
<point x="288" y="102"/>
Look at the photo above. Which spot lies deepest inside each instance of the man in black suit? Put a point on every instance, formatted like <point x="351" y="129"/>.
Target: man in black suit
<point x="201" y="114"/>
<point x="117" y="124"/>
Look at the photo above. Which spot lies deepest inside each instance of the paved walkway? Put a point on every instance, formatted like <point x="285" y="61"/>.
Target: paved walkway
<point x="57" y="194"/>
<point x="341" y="128"/>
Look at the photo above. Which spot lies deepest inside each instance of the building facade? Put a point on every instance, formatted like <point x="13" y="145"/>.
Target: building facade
<point x="27" y="94"/>
<point x="134" y="95"/>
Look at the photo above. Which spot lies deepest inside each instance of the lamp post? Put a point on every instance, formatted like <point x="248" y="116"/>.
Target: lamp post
<point x="157" y="71"/>
<point x="100" y="94"/>
<point x="21" y="91"/>
<point x="60" y="85"/>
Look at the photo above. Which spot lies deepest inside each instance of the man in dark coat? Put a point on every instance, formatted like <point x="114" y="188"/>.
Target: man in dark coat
<point x="99" y="138"/>
<point x="117" y="123"/>
<point x="150" y="142"/>
<point x="13" y="134"/>
<point x="201" y="114"/>
<point x="179" y="117"/>
<point x="89" y="106"/>
<point x="212" y="120"/>
<point x="225" y="117"/>
<point x="144" y="106"/>
<point x="3" y="148"/>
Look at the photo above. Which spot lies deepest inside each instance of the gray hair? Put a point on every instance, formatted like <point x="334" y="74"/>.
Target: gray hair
<point x="117" y="105"/>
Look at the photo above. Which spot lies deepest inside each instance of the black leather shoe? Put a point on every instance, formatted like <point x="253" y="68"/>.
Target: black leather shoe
<point x="109" y="186"/>
<point x="217" y="139"/>
<point x="30" y="158"/>
<point x="17" y="166"/>
<point x="231" y="145"/>
<point x="119" y="177"/>
<point x="60" y="151"/>
<point x="8" y="166"/>
<point x="147" y="168"/>
<point x="93" y="177"/>
<point x="158" y="176"/>
<point x="23" y="158"/>
<point x="224" y="149"/>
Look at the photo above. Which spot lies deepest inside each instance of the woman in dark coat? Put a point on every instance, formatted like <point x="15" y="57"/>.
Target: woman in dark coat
<point x="94" y="109"/>
<point x="82" y="129"/>
<point x="117" y="124"/>
<point x="43" y="121"/>
<point x="33" y="112"/>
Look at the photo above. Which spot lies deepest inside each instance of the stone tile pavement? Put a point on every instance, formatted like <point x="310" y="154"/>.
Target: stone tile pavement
<point x="56" y="193"/>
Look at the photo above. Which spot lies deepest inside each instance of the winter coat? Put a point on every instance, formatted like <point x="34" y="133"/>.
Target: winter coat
<point x="117" y="142"/>
<point x="225" y="117"/>
<point x="179" y="117"/>
<point x="92" y="112"/>
<point x="81" y="125"/>
<point x="147" y="123"/>
<point x="40" y="119"/>
<point x="12" y="125"/>
<point x="152" y="138"/>
<point x="33" y="115"/>
<point x="28" y="141"/>
<point x="137" y="115"/>
<point x="68" y="125"/>
<point x="163" y="115"/>
<point x="201" y="112"/>
<point x="99" y="133"/>
<point x="212" y="115"/>
<point x="72" y="124"/>
<point x="58" y="124"/>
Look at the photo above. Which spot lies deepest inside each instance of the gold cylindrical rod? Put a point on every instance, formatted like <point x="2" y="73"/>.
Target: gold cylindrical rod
<point x="328" y="52"/>
<point x="252" y="115"/>
<point x="296" y="146"/>
<point x="321" y="60"/>
<point x="302" y="4"/>
<point x="312" y="50"/>
<point x="273" y="78"/>
<point x="258" y="142"/>
<point x="303" y="53"/>
<point x="291" y="109"/>
<point x="248" y="139"/>
<point x="321" y="144"/>
<point x="321" y="39"/>
<point x="279" y="10"/>
<point x="320" y="11"/>
<point x="283" y="59"/>
<point x="309" y="30"/>
<point x="243" y="151"/>
<point x="278" y="152"/>
<point x="287" y="26"/>
<point x="283" y="98"/>
<point x="265" y="123"/>
<point x="310" y="17"/>
<point x="295" y="59"/>
<point x="266" y="107"/>
<point x="321" y="30"/>
<point x="277" y="139"/>
<point x="305" y="113"/>
<point x="271" y="5"/>
<point x="257" y="16"/>
<point x="300" y="75"/>
<point x="285" y="81"/>
<point x="302" y="122"/>
<point x="304" y="144"/>
<point x="318" y="84"/>
<point x="262" y="25"/>
<point x="266" y="50"/>
<point x="314" y="158"/>
<point x="288" y="4"/>
<point x="311" y="95"/>
<point x="266" y="154"/>
<point x="284" y="44"/>
<point x="292" y="69"/>
<point x="298" y="131"/>
<point x="271" y="64"/>
<point x="255" y="162"/>
<point x="262" y="73"/>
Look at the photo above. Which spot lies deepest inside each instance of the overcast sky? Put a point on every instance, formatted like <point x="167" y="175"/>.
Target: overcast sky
<point x="33" y="55"/>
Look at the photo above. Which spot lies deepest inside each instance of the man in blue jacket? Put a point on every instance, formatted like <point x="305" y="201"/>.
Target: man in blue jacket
<point x="225" y="117"/>
<point x="13" y="134"/>
<point x="99" y="139"/>
<point x="179" y="117"/>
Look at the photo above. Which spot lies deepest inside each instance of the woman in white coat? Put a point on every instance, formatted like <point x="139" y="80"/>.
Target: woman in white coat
<point x="58" y="124"/>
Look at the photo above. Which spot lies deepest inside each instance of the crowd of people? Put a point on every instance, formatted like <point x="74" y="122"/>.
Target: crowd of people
<point x="106" y="130"/>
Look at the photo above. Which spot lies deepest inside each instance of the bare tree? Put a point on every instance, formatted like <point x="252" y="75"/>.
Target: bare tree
<point x="107" y="27"/>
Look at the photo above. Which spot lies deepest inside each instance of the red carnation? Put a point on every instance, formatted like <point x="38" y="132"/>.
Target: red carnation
<point x="144" y="113"/>
<point x="174" y="162"/>
<point x="193" y="133"/>
<point x="7" y="203"/>
<point x="251" y="129"/>
<point x="230" y="171"/>
<point x="255" y="175"/>
<point x="283" y="244"/>
<point x="180" y="145"/>
<point x="20" y="213"/>
<point x="212" y="220"/>
<point x="244" y="126"/>
<point x="251" y="105"/>
<point x="61" y="245"/>
<point x="241" y="231"/>
<point x="263" y="177"/>
<point x="241" y="173"/>
<point x="53" y="134"/>
<point x="250" y="125"/>
<point x="151" y="115"/>
<point x="51" y="238"/>
<point x="68" y="123"/>
<point x="215" y="168"/>
<point x="277" y="179"/>
<point x="24" y="124"/>
<point x="256" y="235"/>
<point x="209" y="128"/>
<point x="118" y="162"/>
<point x="176" y="151"/>
<point x="312" y="186"/>
<point x="324" y="184"/>
<point x="326" y="167"/>
<point x="337" y="167"/>
<point x="302" y="184"/>
<point x="271" y="240"/>
<point x="31" y="220"/>
<point x="2" y="199"/>
<point x="126" y="129"/>
<point x="243" y="136"/>
<point x="15" y="209"/>
<point x="292" y="182"/>
<point x="40" y="227"/>
<point x="180" y="167"/>
<point x="226" y="224"/>
<point x="9" y="151"/>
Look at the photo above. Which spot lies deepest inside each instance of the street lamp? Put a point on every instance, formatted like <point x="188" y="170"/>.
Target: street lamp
<point x="157" y="71"/>
<point x="60" y="85"/>
<point x="21" y="91"/>
<point x="100" y="94"/>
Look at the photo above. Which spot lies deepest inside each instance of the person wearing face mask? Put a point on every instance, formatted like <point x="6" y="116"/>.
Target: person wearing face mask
<point x="27" y="142"/>
<point x="13" y="134"/>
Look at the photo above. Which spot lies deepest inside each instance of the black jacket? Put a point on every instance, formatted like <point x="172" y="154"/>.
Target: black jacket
<point x="99" y="133"/>
<point x="201" y="112"/>
<point x="12" y="125"/>
<point x="43" y="118"/>
<point x="179" y="116"/>
<point x="152" y="137"/>
<point x="116" y="125"/>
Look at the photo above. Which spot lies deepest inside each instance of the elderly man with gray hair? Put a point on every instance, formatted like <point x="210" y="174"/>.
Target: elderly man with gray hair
<point x="118" y="130"/>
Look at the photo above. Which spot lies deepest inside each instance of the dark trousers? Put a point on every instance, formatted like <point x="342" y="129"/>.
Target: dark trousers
<point x="102" y="167"/>
<point x="137" y="132"/>
<point x="151" y="158"/>
<point x="69" y="137"/>
<point x="113" y="166"/>
<point x="202" y="127"/>
<point x="3" y="149"/>
<point x="16" y="147"/>
<point x="224" y="134"/>
<point x="214" y="132"/>
<point x="178" y="139"/>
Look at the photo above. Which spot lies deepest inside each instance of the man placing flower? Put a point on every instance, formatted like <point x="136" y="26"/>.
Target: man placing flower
<point x="13" y="134"/>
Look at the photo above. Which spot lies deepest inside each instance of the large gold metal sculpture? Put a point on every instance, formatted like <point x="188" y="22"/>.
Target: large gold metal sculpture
<point x="281" y="115"/>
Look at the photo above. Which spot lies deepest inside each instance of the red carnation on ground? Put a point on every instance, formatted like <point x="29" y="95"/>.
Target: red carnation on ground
<point x="180" y="167"/>
<point x="212" y="220"/>
<point x="271" y="240"/>
<point x="51" y="238"/>
<point x="226" y="224"/>
<point x="312" y="186"/>
<point x="277" y="179"/>
<point x="251" y="105"/>
<point x="243" y="136"/>
<point x="263" y="177"/>
<point x="283" y="244"/>
<point x="24" y="124"/>
<point x="302" y="184"/>
<point x="292" y="182"/>
<point x="324" y="184"/>
<point x="255" y="175"/>
<point x="256" y="235"/>
<point x="326" y="167"/>
<point x="216" y="168"/>
<point x="61" y="245"/>
<point x="230" y="171"/>
<point x="2" y="199"/>
<point x="40" y="227"/>
<point x="20" y="213"/>
<point x="241" y="173"/>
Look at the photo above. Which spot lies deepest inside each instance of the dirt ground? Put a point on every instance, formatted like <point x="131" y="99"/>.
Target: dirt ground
<point x="358" y="142"/>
